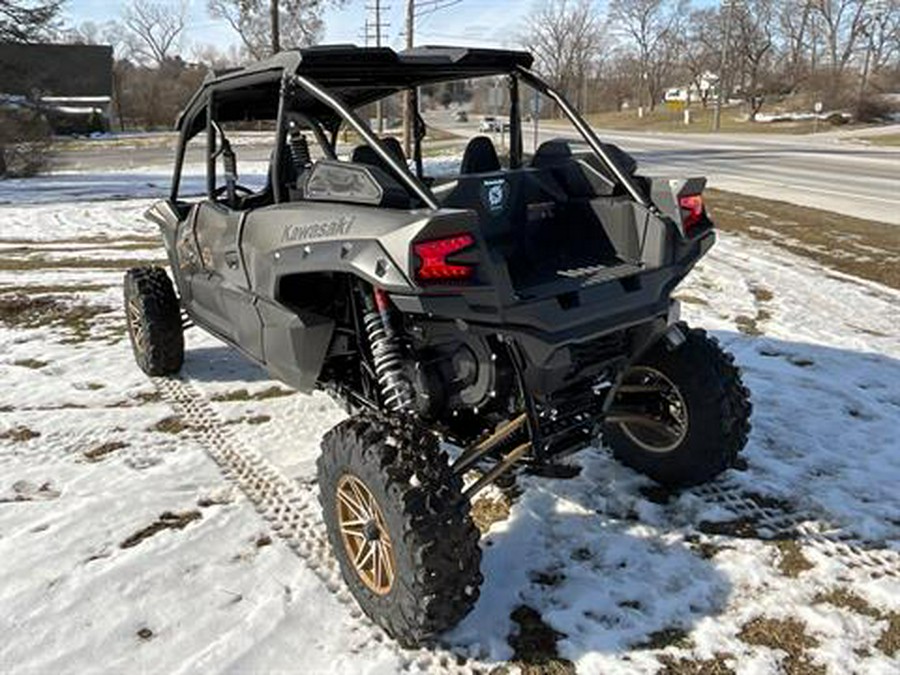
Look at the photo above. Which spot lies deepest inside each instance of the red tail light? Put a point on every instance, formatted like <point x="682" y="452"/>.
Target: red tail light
<point x="692" y="211"/>
<point x="433" y="265"/>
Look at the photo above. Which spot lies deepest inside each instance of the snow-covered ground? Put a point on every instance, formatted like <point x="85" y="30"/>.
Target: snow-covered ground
<point x="128" y="545"/>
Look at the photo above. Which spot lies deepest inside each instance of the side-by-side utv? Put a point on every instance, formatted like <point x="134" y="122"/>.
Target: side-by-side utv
<point x="506" y="317"/>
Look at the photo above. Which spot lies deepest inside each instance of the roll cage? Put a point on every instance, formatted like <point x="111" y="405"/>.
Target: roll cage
<point x="322" y="86"/>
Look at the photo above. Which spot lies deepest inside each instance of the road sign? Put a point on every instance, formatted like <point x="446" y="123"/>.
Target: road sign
<point x="818" y="107"/>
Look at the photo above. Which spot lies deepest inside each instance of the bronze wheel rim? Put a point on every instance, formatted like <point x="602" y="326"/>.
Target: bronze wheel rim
<point x="670" y="430"/>
<point x="365" y="535"/>
<point x="136" y="325"/>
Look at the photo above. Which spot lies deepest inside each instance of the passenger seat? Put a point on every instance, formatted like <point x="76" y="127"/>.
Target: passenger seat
<point x="480" y="157"/>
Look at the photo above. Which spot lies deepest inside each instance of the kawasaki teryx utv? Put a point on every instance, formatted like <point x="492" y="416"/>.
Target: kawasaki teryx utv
<point x="514" y="311"/>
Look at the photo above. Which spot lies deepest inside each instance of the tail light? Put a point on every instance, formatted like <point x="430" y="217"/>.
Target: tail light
<point x="433" y="265"/>
<point x="693" y="212"/>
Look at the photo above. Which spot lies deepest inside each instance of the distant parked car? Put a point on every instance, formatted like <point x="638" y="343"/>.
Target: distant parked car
<point x="490" y="124"/>
<point x="461" y="116"/>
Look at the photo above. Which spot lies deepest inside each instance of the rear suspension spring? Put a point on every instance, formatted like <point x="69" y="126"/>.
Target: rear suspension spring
<point x="386" y="355"/>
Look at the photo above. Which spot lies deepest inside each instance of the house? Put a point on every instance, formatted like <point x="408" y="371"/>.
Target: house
<point x="71" y="85"/>
<point x="686" y="94"/>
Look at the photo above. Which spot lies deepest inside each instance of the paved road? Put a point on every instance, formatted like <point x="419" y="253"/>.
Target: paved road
<point x="822" y="171"/>
<point x="819" y="171"/>
<point x="855" y="179"/>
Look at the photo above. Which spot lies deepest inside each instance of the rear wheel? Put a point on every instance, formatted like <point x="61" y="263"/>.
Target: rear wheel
<point x="682" y="415"/>
<point x="153" y="317"/>
<point x="407" y="547"/>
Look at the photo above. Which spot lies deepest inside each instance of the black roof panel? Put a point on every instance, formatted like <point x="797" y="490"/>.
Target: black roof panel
<point x="358" y="75"/>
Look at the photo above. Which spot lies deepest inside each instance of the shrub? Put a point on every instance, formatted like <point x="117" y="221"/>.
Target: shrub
<point x="25" y="142"/>
<point x="873" y="109"/>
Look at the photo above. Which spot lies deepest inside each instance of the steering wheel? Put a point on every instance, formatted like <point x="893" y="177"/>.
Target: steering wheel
<point x="239" y="190"/>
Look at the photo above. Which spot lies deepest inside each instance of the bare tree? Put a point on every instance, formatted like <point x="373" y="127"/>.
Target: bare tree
<point x="753" y="44"/>
<point x="795" y="24"/>
<point x="844" y="23"/>
<point x="652" y="29"/>
<point x="700" y="49"/>
<point x="153" y="30"/>
<point x="883" y="33"/>
<point x="565" y="37"/>
<point x="215" y="58"/>
<point x="299" y="22"/>
<point x="27" y="20"/>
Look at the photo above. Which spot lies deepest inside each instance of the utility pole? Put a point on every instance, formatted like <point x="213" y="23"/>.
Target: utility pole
<point x="723" y="65"/>
<point x="276" y="29"/>
<point x="416" y="9"/>
<point x="407" y="97"/>
<point x="376" y="25"/>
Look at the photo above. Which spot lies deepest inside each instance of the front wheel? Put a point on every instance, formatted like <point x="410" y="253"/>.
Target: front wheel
<point x="153" y="317"/>
<point x="406" y="545"/>
<point x="682" y="415"/>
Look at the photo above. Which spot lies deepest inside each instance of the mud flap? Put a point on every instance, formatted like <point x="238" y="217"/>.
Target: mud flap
<point x="294" y="344"/>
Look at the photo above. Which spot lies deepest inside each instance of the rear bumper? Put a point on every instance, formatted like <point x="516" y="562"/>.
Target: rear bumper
<point x="542" y="326"/>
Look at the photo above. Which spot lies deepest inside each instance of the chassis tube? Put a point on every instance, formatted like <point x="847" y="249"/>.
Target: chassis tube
<point x="585" y="130"/>
<point x="363" y="130"/>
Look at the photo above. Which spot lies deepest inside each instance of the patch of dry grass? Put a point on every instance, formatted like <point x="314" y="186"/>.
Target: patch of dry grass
<point x="21" y="311"/>
<point x="889" y="640"/>
<point x="171" y="425"/>
<point x="667" y="637"/>
<point x="40" y="263"/>
<point x="33" y="364"/>
<point x="687" y="666"/>
<point x="239" y="395"/>
<point x="101" y="452"/>
<point x="671" y="120"/>
<point x="791" y="561"/>
<point x="788" y="636"/>
<point x="884" y="139"/>
<point x="166" y="521"/>
<point x="53" y="289"/>
<point x="858" y="247"/>
<point x="19" y="434"/>
<point x="534" y="645"/>
<point x="486" y="511"/>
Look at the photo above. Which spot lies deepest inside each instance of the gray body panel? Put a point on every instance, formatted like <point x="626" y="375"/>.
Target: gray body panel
<point x="565" y="249"/>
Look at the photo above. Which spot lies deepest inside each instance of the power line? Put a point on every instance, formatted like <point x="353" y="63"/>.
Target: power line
<point x="374" y="30"/>
<point x="428" y="7"/>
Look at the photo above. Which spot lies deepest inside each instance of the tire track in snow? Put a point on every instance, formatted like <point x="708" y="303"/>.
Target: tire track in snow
<point x="776" y="519"/>
<point x="292" y="510"/>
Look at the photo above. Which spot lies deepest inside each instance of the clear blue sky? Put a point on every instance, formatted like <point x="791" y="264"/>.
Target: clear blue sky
<point x="471" y="22"/>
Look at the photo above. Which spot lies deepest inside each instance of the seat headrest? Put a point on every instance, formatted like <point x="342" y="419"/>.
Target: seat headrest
<point x="394" y="147"/>
<point x="480" y="157"/>
<point x="552" y="153"/>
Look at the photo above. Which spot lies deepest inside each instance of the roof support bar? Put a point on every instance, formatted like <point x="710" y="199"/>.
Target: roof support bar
<point x="211" y="141"/>
<point x="515" y="124"/>
<point x="585" y="130"/>
<point x="280" y="137"/>
<point x="363" y="130"/>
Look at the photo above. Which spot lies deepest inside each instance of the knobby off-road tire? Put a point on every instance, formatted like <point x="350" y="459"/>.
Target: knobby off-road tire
<point x="717" y="407"/>
<point x="418" y="520"/>
<point x="154" y="324"/>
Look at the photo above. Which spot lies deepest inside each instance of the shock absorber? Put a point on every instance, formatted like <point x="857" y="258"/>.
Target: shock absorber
<point x="299" y="149"/>
<point x="388" y="360"/>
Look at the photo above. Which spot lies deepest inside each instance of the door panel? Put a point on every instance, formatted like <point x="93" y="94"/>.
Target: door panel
<point x="220" y="292"/>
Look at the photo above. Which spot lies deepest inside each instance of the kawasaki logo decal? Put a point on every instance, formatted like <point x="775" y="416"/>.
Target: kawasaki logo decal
<point x="332" y="228"/>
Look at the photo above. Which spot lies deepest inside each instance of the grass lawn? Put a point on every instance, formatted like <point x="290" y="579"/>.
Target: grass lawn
<point x="858" y="247"/>
<point x="664" y="119"/>
<point x="886" y="139"/>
